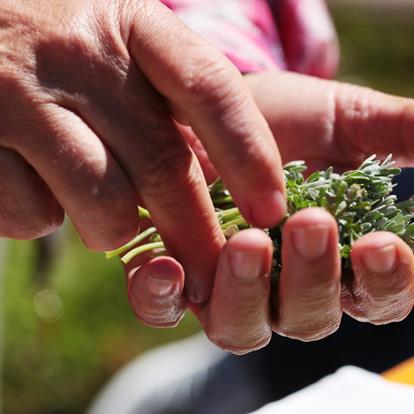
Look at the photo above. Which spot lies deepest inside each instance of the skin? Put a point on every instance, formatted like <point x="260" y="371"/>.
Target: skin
<point x="89" y="98"/>
<point x="325" y="123"/>
<point x="104" y="105"/>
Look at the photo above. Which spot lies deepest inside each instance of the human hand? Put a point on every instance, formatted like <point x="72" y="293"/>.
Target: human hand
<point x="331" y="123"/>
<point x="237" y="316"/>
<point x="87" y="94"/>
<point x="312" y="294"/>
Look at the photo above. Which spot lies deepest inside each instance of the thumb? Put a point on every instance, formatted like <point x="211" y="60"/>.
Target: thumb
<point x="336" y="122"/>
<point x="373" y="122"/>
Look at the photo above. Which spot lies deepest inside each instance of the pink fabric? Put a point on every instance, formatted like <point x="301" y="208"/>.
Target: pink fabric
<point x="259" y="35"/>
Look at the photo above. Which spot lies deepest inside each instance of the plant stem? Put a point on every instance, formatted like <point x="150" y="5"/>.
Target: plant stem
<point x="141" y="249"/>
<point x="143" y="213"/>
<point x="137" y="239"/>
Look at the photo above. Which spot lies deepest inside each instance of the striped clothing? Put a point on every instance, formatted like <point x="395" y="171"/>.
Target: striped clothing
<point x="260" y="35"/>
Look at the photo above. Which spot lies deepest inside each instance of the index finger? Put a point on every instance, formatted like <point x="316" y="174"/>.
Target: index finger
<point x="205" y="86"/>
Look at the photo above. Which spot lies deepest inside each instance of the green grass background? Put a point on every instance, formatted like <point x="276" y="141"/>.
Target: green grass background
<point x="56" y="366"/>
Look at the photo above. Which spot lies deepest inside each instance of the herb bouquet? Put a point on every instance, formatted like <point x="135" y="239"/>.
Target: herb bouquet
<point x="360" y="200"/>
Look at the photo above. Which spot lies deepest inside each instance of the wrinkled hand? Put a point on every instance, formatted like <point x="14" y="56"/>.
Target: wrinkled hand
<point x="87" y="94"/>
<point x="325" y="123"/>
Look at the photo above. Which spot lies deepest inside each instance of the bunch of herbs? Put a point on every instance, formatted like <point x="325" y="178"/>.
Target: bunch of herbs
<point x="361" y="201"/>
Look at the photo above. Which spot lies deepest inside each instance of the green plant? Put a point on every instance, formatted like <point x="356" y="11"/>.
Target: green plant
<point x="360" y="200"/>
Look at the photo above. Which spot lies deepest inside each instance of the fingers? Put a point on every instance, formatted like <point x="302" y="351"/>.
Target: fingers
<point x="82" y="175"/>
<point x="219" y="108"/>
<point x="28" y="209"/>
<point x="307" y="305"/>
<point x="374" y="122"/>
<point x="136" y="127"/>
<point x="155" y="292"/>
<point x="301" y="110"/>
<point x="331" y="121"/>
<point x="239" y="310"/>
<point x="382" y="289"/>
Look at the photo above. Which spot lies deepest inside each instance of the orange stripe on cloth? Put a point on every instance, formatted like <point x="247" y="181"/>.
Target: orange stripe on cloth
<point x="402" y="373"/>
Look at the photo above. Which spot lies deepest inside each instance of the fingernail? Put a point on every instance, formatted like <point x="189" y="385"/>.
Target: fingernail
<point x="159" y="287"/>
<point x="311" y="242"/>
<point x="268" y="210"/>
<point x="246" y="265"/>
<point x="381" y="260"/>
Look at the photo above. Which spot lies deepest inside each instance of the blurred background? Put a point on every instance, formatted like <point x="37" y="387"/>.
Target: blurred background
<point x="68" y="327"/>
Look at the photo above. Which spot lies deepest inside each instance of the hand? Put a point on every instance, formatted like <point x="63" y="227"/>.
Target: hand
<point x="237" y="317"/>
<point x="89" y="90"/>
<point x="331" y="123"/>
<point x="325" y="123"/>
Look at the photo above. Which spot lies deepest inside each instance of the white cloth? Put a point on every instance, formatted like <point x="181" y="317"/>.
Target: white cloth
<point x="349" y="390"/>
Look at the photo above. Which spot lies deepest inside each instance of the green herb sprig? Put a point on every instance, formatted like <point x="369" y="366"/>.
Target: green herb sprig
<point x="360" y="200"/>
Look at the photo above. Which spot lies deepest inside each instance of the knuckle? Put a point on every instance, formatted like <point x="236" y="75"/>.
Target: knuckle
<point x="238" y="347"/>
<point x="208" y="81"/>
<point x="18" y="37"/>
<point x="384" y="300"/>
<point x="172" y="171"/>
<point x="317" y="296"/>
<point x="27" y="208"/>
<point x="157" y="315"/>
<point x="160" y="321"/>
<point x="354" y="106"/>
<point x="19" y="96"/>
<point x="357" y="102"/>
<point x="308" y="334"/>
<point x="109" y="208"/>
<point x="164" y="312"/>
<point x="387" y="310"/>
<point x="238" y="341"/>
<point x="15" y="99"/>
<point x="22" y="227"/>
<point x="9" y="78"/>
<point x="309" y="331"/>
